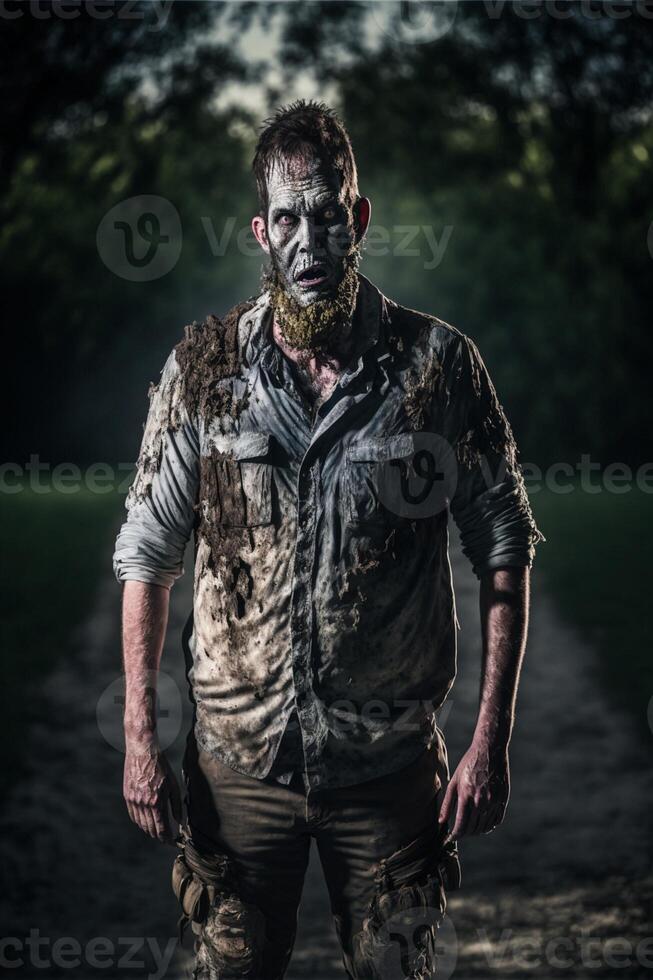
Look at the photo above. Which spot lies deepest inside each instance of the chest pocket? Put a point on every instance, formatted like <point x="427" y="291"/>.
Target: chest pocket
<point x="394" y="478"/>
<point x="239" y="484"/>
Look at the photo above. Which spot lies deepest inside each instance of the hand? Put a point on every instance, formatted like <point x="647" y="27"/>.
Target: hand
<point x="478" y="792"/>
<point x="149" y="784"/>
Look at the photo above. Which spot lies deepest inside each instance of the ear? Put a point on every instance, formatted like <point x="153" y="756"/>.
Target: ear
<point x="362" y="215"/>
<point x="260" y="232"/>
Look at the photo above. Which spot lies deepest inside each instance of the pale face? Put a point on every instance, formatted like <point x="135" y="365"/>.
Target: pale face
<point x="308" y="230"/>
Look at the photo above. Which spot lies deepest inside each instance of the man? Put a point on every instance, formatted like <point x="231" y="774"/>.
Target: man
<point x="315" y="441"/>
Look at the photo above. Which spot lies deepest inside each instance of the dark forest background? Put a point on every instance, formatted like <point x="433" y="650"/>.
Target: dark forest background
<point x="515" y="138"/>
<point x="525" y="141"/>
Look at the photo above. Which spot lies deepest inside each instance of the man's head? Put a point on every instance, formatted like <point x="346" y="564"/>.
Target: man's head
<point x="311" y="220"/>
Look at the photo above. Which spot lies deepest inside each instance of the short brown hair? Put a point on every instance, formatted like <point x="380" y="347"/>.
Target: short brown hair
<point x="302" y="130"/>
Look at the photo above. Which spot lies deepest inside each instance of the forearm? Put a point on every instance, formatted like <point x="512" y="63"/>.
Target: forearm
<point x="144" y="622"/>
<point x="504" y="598"/>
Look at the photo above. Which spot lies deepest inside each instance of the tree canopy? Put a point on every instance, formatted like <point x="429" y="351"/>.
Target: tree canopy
<point x="520" y="146"/>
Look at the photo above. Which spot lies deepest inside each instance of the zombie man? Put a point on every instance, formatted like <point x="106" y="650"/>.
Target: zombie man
<point x="315" y="440"/>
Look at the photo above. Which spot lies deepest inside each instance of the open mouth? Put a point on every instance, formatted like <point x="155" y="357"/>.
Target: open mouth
<point x="313" y="275"/>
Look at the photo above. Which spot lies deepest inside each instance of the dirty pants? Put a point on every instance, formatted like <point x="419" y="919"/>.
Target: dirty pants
<point x="376" y="841"/>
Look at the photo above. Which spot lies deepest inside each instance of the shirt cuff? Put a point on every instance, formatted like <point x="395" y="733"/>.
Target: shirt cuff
<point x="498" y="529"/>
<point x="134" y="573"/>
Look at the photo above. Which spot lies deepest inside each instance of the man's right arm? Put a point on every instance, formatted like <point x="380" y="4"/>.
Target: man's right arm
<point x="148" y="558"/>
<point x="148" y="782"/>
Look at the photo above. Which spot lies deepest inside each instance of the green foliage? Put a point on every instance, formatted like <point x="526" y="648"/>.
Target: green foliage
<point x="527" y="141"/>
<point x="85" y="341"/>
<point x="532" y="140"/>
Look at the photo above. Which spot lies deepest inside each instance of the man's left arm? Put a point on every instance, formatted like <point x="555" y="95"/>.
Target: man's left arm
<point x="498" y="534"/>
<point x="478" y="792"/>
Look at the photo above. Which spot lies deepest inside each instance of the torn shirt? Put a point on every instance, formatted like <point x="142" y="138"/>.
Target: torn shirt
<point x="322" y="582"/>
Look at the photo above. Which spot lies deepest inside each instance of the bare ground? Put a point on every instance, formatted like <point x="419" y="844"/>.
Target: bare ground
<point x="563" y="889"/>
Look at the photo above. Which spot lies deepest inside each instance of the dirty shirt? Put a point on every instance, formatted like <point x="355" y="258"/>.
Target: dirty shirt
<point x="322" y="584"/>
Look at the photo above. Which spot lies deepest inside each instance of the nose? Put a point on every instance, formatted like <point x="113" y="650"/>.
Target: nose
<point x="309" y="238"/>
<point x="306" y="235"/>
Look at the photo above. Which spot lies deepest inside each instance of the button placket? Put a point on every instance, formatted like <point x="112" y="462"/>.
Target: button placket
<point x="301" y="618"/>
<point x="302" y="611"/>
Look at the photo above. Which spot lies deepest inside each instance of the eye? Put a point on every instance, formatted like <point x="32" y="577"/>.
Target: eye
<point x="329" y="214"/>
<point x="286" y="219"/>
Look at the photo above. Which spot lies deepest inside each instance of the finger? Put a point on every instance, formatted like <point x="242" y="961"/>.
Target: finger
<point x="147" y="821"/>
<point x="161" y="824"/>
<point x="462" y="819"/>
<point x="151" y="824"/>
<point x="447" y="803"/>
<point x="137" y="815"/>
<point x="131" y="811"/>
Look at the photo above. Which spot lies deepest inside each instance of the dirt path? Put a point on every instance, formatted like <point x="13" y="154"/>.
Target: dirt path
<point x="549" y="895"/>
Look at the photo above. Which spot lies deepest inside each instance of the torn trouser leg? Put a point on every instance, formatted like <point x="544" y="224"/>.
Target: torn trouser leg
<point x="230" y="933"/>
<point x="398" y="936"/>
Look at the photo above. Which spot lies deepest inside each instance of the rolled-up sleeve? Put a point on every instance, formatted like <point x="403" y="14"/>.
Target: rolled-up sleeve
<point x="490" y="505"/>
<point x="161" y="501"/>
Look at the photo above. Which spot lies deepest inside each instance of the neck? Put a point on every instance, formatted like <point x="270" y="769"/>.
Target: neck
<point x="318" y="370"/>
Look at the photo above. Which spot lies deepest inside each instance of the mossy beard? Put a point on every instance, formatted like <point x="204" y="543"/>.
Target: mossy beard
<point x="320" y="324"/>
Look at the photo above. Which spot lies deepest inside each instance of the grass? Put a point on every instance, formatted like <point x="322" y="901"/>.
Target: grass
<point x="56" y="549"/>
<point x="596" y="563"/>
